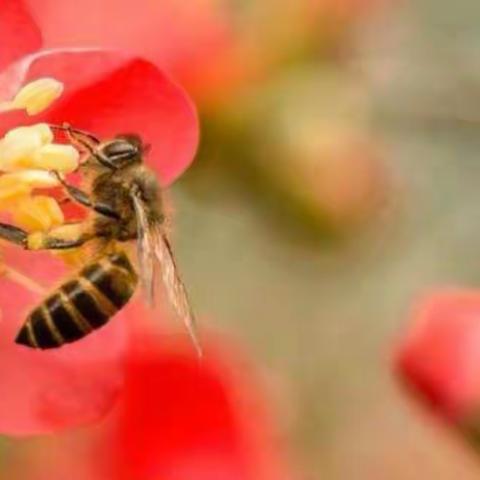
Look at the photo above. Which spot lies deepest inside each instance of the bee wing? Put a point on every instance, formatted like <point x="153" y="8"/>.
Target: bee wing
<point x="155" y="253"/>
<point x="174" y="286"/>
<point x="145" y="250"/>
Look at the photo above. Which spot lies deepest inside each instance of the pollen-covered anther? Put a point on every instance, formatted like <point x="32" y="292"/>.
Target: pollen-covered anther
<point x="39" y="213"/>
<point x="31" y="148"/>
<point x="16" y="153"/>
<point x="36" y="240"/>
<point x="19" y="145"/>
<point x="16" y="186"/>
<point x="30" y="178"/>
<point x="11" y="194"/>
<point x="35" y="96"/>
<point x="41" y="130"/>
<point x="58" y="157"/>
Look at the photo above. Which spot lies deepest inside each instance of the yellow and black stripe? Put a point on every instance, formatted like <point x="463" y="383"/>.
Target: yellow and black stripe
<point x="82" y="304"/>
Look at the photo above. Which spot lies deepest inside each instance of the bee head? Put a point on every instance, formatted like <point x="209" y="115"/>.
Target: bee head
<point x="121" y="152"/>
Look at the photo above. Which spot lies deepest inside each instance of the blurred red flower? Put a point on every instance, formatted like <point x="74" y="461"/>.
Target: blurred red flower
<point x="182" y="418"/>
<point x="194" y="41"/>
<point x="178" y="419"/>
<point x="439" y="357"/>
<point x="106" y="93"/>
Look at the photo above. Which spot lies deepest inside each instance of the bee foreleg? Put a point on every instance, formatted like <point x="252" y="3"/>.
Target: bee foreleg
<point x="81" y="197"/>
<point x="39" y="240"/>
<point x="13" y="234"/>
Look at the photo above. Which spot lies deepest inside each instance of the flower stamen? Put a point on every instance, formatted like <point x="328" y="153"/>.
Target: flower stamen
<point x="35" y="96"/>
<point x="38" y="213"/>
<point x="29" y="160"/>
<point x="28" y="156"/>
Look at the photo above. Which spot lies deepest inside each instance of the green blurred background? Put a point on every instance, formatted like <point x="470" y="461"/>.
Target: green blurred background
<point x="325" y="199"/>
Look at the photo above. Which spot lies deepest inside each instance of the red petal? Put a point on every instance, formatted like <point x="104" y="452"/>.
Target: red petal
<point x="440" y="355"/>
<point x="43" y="391"/>
<point x="108" y="93"/>
<point x="180" y="419"/>
<point x="20" y="35"/>
<point x="184" y="418"/>
<point x="193" y="40"/>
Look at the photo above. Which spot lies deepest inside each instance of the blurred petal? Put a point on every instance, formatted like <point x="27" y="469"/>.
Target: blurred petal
<point x="107" y="93"/>
<point x="190" y="39"/>
<point x="439" y="357"/>
<point x="183" y="418"/>
<point x="43" y="391"/>
<point x="20" y="34"/>
<point x="179" y="419"/>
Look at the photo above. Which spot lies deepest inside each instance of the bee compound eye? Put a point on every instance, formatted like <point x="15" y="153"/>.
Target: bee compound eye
<point x="120" y="150"/>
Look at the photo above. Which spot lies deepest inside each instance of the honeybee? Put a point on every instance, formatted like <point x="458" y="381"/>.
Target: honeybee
<point x="125" y="201"/>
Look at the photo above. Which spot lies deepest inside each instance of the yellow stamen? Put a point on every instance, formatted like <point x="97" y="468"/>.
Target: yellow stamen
<point x="27" y="155"/>
<point x="16" y="187"/>
<point x="17" y="150"/>
<point x="41" y="129"/>
<point x="35" y="96"/>
<point x="31" y="147"/>
<point x="36" y="240"/>
<point x="38" y="214"/>
<point x="12" y="194"/>
<point x="29" y="178"/>
<point x="62" y="158"/>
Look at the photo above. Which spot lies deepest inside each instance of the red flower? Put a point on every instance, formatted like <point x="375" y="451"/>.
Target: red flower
<point x="440" y="355"/>
<point x="178" y="419"/>
<point x="15" y="18"/>
<point x="181" y="418"/>
<point x="193" y="40"/>
<point x="106" y="93"/>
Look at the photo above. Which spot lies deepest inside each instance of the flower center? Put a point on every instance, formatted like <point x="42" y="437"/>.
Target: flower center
<point x="31" y="168"/>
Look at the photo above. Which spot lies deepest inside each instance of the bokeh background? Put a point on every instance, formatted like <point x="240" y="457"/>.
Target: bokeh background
<point x="349" y="187"/>
<point x="337" y="179"/>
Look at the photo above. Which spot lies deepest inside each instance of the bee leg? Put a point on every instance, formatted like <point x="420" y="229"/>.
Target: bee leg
<point x="81" y="197"/>
<point x="13" y="234"/>
<point x="39" y="240"/>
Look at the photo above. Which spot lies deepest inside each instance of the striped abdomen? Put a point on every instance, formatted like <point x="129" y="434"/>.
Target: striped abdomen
<point x="82" y="304"/>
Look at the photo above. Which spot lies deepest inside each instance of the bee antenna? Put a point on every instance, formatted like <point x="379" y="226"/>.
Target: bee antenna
<point x="79" y="137"/>
<point x="84" y="139"/>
